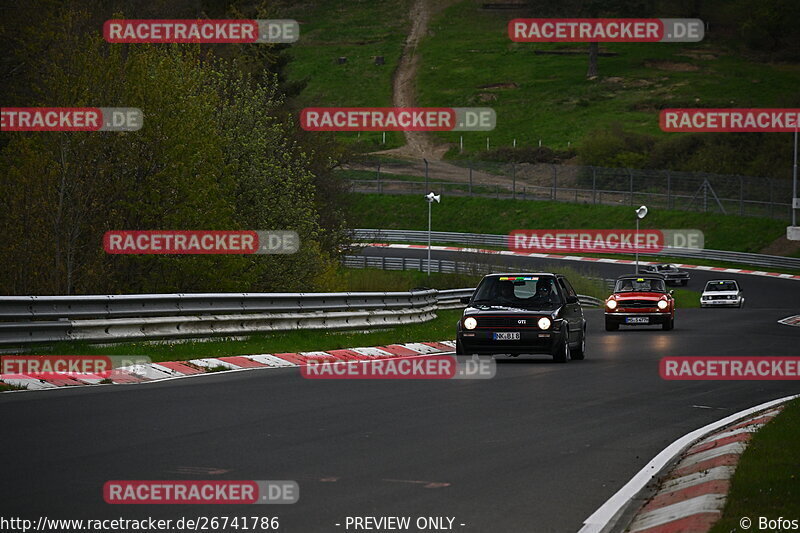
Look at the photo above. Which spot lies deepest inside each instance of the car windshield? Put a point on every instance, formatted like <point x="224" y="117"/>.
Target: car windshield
<point x="639" y="285"/>
<point x="721" y="286"/>
<point x="527" y="292"/>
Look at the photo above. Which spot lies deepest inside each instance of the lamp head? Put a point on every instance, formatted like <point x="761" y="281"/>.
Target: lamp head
<point x="641" y="212"/>
<point x="431" y="197"/>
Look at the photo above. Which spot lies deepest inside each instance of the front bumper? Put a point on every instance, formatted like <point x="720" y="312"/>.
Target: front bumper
<point x="721" y="303"/>
<point x="676" y="280"/>
<point x="535" y="341"/>
<point x="652" y="318"/>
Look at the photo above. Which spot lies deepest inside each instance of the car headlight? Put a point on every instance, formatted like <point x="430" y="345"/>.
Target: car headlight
<point x="544" y="323"/>
<point x="662" y="304"/>
<point x="470" y="323"/>
<point x="611" y="304"/>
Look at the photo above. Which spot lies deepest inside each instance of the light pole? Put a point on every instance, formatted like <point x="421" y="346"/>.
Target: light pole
<point x="793" y="231"/>
<point x="430" y="197"/>
<point x="640" y="214"/>
<point x="795" y="207"/>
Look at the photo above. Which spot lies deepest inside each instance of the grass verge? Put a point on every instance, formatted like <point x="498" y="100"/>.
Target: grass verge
<point x="767" y="479"/>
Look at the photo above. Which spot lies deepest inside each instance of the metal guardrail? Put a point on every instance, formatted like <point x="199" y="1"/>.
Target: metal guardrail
<point x="481" y="239"/>
<point x="38" y="319"/>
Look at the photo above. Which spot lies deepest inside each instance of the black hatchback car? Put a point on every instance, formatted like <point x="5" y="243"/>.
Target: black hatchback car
<point x="523" y="314"/>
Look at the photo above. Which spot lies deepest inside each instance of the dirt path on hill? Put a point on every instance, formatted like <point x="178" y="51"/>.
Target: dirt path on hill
<point x="418" y="144"/>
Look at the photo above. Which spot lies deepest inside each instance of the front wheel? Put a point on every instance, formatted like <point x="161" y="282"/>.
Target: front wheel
<point x="459" y="348"/>
<point x="580" y="353"/>
<point x="611" y="326"/>
<point x="668" y="325"/>
<point x="684" y="282"/>
<point x="562" y="354"/>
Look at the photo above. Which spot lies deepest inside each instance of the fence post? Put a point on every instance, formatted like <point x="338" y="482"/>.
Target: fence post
<point x="380" y="179"/>
<point x="771" y="204"/>
<point x="555" y="184"/>
<point x="514" y="181"/>
<point x="470" y="179"/>
<point x="669" y="190"/>
<point x="594" y="185"/>
<point x="523" y="192"/>
<point x="630" y="174"/>
<point x="741" y="196"/>
<point x="497" y="191"/>
<point x="383" y="262"/>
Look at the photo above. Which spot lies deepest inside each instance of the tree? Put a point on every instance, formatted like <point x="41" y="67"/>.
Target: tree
<point x="593" y="9"/>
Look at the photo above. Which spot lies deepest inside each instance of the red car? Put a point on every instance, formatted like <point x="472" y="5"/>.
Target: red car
<point x="640" y="300"/>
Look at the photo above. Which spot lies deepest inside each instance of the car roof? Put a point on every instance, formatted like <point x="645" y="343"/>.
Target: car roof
<point x="493" y="274"/>
<point x="647" y="276"/>
<point x="721" y="281"/>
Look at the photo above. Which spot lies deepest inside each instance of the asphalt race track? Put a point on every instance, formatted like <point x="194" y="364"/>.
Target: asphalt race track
<point x="759" y="291"/>
<point x="538" y="448"/>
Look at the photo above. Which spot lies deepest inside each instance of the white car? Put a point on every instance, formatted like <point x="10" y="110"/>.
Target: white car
<point x="722" y="293"/>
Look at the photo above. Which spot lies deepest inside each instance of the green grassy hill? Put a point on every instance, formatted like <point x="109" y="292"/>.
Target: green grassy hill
<point x="548" y="97"/>
<point x="467" y="59"/>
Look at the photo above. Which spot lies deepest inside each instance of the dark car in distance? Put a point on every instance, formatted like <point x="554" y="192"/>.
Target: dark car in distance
<point x="524" y="313"/>
<point x="672" y="274"/>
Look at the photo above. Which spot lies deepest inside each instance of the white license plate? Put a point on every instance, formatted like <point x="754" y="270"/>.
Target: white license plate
<point x="511" y="336"/>
<point x="637" y="319"/>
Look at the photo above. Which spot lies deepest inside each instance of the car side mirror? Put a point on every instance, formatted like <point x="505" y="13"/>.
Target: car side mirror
<point x="572" y="299"/>
<point x="465" y="299"/>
